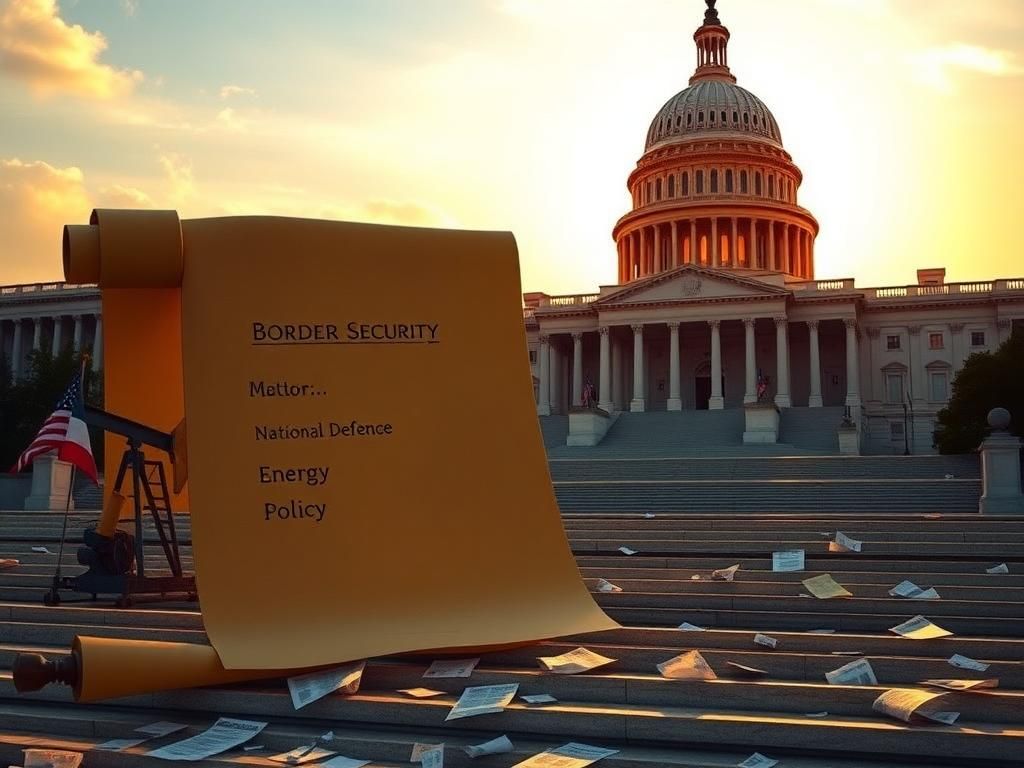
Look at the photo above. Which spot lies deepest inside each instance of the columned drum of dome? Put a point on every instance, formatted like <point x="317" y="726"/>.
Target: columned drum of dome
<point x="715" y="187"/>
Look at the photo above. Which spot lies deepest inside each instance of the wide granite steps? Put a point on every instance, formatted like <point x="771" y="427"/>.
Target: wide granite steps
<point x="387" y="749"/>
<point x="627" y="704"/>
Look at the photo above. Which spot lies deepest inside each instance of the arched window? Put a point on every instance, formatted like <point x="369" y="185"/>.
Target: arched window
<point x="735" y="117"/>
<point x="755" y="119"/>
<point x="647" y="198"/>
<point x="700" y="118"/>
<point x="672" y="185"/>
<point x="723" y="117"/>
<point x="728" y="179"/>
<point x="711" y="116"/>
<point x="743" y="182"/>
<point x="689" y="119"/>
<point x="757" y="184"/>
<point x="714" y="180"/>
<point x="699" y="183"/>
<point x="771" y="186"/>
<point x="746" y="118"/>
<point x="686" y="184"/>
<point x="657" y="189"/>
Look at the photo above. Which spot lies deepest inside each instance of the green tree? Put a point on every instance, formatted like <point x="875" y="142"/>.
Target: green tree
<point x="988" y="380"/>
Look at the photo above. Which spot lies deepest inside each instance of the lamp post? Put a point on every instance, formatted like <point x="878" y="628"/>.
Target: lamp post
<point x="906" y="437"/>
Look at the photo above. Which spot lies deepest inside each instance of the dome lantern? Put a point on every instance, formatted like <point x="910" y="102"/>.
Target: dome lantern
<point x="712" y="41"/>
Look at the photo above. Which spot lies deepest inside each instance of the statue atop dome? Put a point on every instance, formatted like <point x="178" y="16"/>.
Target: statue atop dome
<point x="711" y="15"/>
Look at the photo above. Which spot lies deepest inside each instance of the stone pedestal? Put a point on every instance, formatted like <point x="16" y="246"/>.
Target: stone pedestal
<point x="51" y="479"/>
<point x="849" y="439"/>
<point x="587" y="426"/>
<point x="1000" y="468"/>
<point x="762" y="423"/>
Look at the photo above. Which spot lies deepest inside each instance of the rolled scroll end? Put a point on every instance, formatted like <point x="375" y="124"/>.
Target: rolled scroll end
<point x="33" y="672"/>
<point x="81" y="253"/>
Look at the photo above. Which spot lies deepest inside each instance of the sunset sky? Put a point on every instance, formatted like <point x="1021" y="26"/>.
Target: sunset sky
<point x="906" y="117"/>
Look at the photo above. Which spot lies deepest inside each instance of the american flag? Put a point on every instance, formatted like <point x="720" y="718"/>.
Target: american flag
<point x="64" y="432"/>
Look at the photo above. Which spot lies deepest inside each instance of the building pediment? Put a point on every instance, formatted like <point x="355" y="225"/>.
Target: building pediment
<point x="691" y="284"/>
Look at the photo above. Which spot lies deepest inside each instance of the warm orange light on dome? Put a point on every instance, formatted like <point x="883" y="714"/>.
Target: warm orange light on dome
<point x="715" y="186"/>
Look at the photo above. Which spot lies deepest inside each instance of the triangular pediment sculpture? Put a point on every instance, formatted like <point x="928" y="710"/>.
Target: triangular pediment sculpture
<point x="691" y="283"/>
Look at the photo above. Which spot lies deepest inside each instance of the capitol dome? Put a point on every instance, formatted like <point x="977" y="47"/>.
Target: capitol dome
<point x="713" y="107"/>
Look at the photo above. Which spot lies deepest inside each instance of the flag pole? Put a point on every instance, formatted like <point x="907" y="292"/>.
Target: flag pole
<point x="53" y="597"/>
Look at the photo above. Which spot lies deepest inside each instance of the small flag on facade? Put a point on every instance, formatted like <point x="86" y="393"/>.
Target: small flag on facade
<point x="65" y="432"/>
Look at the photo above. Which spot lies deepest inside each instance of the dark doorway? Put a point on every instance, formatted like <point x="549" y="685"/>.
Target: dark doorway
<point x="702" y="392"/>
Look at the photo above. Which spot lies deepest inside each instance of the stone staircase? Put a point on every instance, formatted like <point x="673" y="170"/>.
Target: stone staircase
<point x="789" y="713"/>
<point x="844" y="484"/>
<point x="88" y="495"/>
<point x="812" y="429"/>
<point x="672" y="434"/>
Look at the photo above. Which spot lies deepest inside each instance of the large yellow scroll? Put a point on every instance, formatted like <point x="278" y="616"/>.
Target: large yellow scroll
<point x="366" y="473"/>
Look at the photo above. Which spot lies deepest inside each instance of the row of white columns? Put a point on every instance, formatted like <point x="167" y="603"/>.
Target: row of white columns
<point x="17" y="341"/>
<point x="638" y="402"/>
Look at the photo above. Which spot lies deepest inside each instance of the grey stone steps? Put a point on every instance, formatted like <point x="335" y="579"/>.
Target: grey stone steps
<point x="387" y="749"/>
<point x="702" y="562"/>
<point x="876" y="591"/>
<point x="616" y="572"/>
<point x="588" y="721"/>
<point x="813" y="537"/>
<point x="765" y="620"/>
<point x="977" y="550"/>
<point x="764" y="467"/>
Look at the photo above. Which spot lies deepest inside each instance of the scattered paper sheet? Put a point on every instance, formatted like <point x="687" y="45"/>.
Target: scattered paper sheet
<point x="910" y="590"/>
<point x="227" y="733"/>
<point x="821" y="631"/>
<point x="905" y="703"/>
<point x="253" y="748"/>
<point x="420" y="693"/>
<point x="42" y="550"/>
<point x="919" y="628"/>
<point x="963" y="685"/>
<point x="604" y="585"/>
<point x="570" y="755"/>
<point x="483" y="700"/>
<point x="725" y="574"/>
<point x="302" y="755"/>
<point x="742" y="670"/>
<point x="696" y="577"/>
<point x="52" y="758"/>
<point x="452" y="668"/>
<point x="418" y="750"/>
<point x="687" y="666"/>
<point x="788" y="560"/>
<point x="816" y="714"/>
<point x="433" y="758"/>
<point x="964" y="662"/>
<point x="825" y="587"/>
<point x="161" y="728"/>
<point x="305" y="689"/>
<point x="627" y="551"/>
<point x="766" y="640"/>
<point x="843" y="543"/>
<point x="857" y="672"/>
<point x="648" y="515"/>
<point x="688" y="627"/>
<point x="327" y="736"/>
<point x="344" y="762"/>
<point x="496" y="746"/>
<point x="847" y="653"/>
<point x="116" y="745"/>
<point x="8" y="562"/>
<point x="539" y="698"/>
<point x="578" y="660"/>
<point x="757" y="760"/>
<point x="1001" y="568"/>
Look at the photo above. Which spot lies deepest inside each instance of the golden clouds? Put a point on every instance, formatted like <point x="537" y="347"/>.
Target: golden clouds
<point x="935" y="66"/>
<point x="36" y="200"/>
<point x="37" y="46"/>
